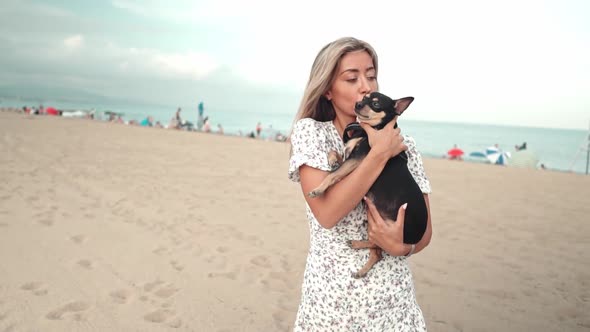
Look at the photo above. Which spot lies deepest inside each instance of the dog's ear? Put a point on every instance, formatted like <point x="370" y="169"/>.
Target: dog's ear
<point x="403" y="103"/>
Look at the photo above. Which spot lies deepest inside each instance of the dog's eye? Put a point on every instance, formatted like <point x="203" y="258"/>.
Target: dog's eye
<point x="375" y="104"/>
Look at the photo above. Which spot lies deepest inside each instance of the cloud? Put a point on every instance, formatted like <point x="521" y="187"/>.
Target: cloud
<point x="74" y="42"/>
<point x="191" y="64"/>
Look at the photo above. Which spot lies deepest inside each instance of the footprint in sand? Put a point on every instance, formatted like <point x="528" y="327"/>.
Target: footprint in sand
<point x="162" y="292"/>
<point x="261" y="261"/>
<point x="85" y="264"/>
<point x="45" y="218"/>
<point x="222" y="249"/>
<point x="120" y="296"/>
<point x="166" y="291"/>
<point x="151" y="285"/>
<point x="229" y="275"/>
<point x="45" y="221"/>
<point x="163" y="316"/>
<point x="160" y="250"/>
<point x="78" y="238"/>
<point x="218" y="261"/>
<point x="177" y="266"/>
<point x="73" y="309"/>
<point x="37" y="288"/>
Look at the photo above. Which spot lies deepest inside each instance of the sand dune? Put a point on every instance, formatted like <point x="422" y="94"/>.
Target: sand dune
<point x="106" y="227"/>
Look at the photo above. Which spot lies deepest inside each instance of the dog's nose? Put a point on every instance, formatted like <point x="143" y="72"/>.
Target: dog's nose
<point x="358" y="105"/>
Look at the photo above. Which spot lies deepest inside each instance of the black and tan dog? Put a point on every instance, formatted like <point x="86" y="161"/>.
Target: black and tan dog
<point x="394" y="186"/>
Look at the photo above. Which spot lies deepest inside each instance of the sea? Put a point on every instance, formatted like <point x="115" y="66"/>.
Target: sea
<point x="557" y="149"/>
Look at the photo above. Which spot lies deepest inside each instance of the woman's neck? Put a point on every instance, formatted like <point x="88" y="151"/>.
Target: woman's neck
<point x="340" y="122"/>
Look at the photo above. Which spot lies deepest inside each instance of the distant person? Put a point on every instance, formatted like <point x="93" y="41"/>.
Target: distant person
<point x="206" y="125"/>
<point x="178" y="118"/>
<point x="258" y="129"/>
<point x="147" y="122"/>
<point x="520" y="147"/>
<point x="219" y="129"/>
<point x="200" y="119"/>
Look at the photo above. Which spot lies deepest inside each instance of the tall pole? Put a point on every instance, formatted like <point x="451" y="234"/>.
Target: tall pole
<point x="588" y="152"/>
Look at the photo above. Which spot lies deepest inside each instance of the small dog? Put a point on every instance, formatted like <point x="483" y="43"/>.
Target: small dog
<point x="394" y="186"/>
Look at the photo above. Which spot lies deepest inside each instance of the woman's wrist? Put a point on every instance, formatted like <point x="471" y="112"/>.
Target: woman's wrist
<point x="405" y="250"/>
<point x="380" y="157"/>
<point x="401" y="250"/>
<point x="411" y="251"/>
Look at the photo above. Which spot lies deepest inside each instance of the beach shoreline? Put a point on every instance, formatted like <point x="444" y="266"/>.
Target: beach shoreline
<point x="118" y="228"/>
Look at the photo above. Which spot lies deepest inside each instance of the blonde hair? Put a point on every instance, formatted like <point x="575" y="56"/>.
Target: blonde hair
<point x="323" y="72"/>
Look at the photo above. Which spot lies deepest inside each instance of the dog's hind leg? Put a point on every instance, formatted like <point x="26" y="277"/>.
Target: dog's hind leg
<point x="357" y="244"/>
<point x="332" y="178"/>
<point x="374" y="257"/>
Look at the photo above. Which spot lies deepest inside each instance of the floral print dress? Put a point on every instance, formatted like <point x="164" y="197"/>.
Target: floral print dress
<point x="331" y="299"/>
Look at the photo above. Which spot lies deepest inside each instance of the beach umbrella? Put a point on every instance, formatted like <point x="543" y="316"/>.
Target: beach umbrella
<point x="497" y="156"/>
<point x="455" y="153"/>
<point x="524" y="159"/>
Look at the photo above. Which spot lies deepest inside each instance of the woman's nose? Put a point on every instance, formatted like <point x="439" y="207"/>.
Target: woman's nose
<point x="365" y="88"/>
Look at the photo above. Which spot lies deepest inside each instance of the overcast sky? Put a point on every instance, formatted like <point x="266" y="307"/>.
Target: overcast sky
<point x="513" y="62"/>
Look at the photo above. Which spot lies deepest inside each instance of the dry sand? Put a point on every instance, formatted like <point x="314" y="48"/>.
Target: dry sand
<point x="106" y="227"/>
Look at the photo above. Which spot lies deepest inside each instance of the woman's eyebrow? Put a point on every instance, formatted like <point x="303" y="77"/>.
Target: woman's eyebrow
<point x="356" y="71"/>
<point x="352" y="70"/>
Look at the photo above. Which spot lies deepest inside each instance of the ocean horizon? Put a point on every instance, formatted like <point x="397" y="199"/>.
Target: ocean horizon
<point x="557" y="148"/>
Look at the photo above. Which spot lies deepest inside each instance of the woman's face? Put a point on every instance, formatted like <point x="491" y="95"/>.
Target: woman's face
<point x="355" y="77"/>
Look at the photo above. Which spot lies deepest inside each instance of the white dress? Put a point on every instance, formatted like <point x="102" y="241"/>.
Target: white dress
<point x="331" y="299"/>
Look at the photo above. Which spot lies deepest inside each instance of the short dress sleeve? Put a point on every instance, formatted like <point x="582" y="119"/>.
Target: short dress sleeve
<point x="309" y="146"/>
<point x="416" y="166"/>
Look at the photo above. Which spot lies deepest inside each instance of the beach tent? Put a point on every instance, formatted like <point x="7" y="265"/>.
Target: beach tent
<point x="524" y="159"/>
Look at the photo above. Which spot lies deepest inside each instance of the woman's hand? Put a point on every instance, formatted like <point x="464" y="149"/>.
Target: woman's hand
<point x="387" y="234"/>
<point x="388" y="141"/>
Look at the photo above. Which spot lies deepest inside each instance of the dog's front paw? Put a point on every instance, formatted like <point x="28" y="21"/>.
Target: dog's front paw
<point x="314" y="193"/>
<point x="334" y="160"/>
<point x="358" y="275"/>
<point x="334" y="164"/>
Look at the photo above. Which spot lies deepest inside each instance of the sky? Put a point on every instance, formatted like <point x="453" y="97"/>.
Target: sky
<point x="513" y="62"/>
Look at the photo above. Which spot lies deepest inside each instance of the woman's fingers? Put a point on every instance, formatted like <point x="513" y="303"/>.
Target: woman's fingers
<point x="372" y="210"/>
<point x="401" y="216"/>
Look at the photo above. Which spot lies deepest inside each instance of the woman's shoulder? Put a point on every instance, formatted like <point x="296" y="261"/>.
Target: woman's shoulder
<point x="310" y="127"/>
<point x="310" y="123"/>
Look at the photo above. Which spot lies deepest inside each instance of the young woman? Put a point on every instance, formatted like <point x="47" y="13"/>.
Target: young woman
<point x="332" y="300"/>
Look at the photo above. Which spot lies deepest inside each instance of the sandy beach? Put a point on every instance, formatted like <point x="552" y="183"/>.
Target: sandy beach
<point x="107" y="227"/>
